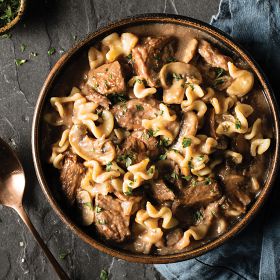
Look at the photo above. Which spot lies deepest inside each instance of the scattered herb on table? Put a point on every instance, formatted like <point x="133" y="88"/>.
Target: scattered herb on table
<point x="51" y="51"/>
<point x="104" y="275"/>
<point x="19" y="62"/>
<point x="75" y="37"/>
<point x="6" y="36"/>
<point x="22" y="47"/>
<point x="8" y="11"/>
<point x="33" y="54"/>
<point x="63" y="255"/>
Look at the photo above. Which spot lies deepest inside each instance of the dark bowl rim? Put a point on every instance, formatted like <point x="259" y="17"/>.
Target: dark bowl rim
<point x="157" y="18"/>
<point x="20" y="13"/>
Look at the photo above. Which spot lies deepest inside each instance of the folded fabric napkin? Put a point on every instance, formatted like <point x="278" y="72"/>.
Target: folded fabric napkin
<point x="255" y="252"/>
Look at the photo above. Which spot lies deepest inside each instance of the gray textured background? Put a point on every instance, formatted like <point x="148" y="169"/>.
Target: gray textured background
<point x="55" y="24"/>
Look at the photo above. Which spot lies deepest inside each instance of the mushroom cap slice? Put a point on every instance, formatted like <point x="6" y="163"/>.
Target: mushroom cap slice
<point x="85" y="205"/>
<point x="101" y="149"/>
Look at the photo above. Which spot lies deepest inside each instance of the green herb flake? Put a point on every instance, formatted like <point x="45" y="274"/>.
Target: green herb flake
<point x="22" y="47"/>
<point x="190" y="85"/>
<point x="198" y="215"/>
<point x="139" y="107"/>
<point x="177" y="77"/>
<point x="218" y="81"/>
<point x="163" y="157"/>
<point x="19" y="62"/>
<point x="151" y="170"/>
<point x="129" y="191"/>
<point x="214" y="214"/>
<point x="33" y="54"/>
<point x="6" y="36"/>
<point x="88" y="204"/>
<point x="171" y="59"/>
<point x="98" y="209"/>
<point x="129" y="56"/>
<point x="200" y="158"/>
<point x="108" y="166"/>
<point x="104" y="275"/>
<point x="8" y="11"/>
<point x="75" y="37"/>
<point x="193" y="182"/>
<point x="51" y="51"/>
<point x="128" y="162"/>
<point x="219" y="72"/>
<point x="237" y="123"/>
<point x="157" y="57"/>
<point x="174" y="175"/>
<point x="208" y="181"/>
<point x="186" y="142"/>
<point x="187" y="178"/>
<point x="139" y="81"/>
<point x="101" y="222"/>
<point x="63" y="255"/>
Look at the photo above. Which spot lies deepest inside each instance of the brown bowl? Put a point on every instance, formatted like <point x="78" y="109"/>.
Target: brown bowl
<point x="18" y="17"/>
<point x="57" y="83"/>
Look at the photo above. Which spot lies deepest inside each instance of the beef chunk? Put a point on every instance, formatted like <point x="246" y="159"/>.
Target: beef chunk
<point x="71" y="175"/>
<point x="150" y="55"/>
<point x="111" y="223"/>
<point x="212" y="56"/>
<point x="94" y="96"/>
<point x="130" y="114"/>
<point x="137" y="148"/>
<point x="173" y="237"/>
<point x="107" y="79"/>
<point x="200" y="194"/>
<point x="160" y="191"/>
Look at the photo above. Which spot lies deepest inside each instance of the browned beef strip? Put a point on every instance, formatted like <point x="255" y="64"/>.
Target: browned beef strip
<point x="160" y="191"/>
<point x="137" y="148"/>
<point x="130" y="114"/>
<point x="71" y="175"/>
<point x="150" y="55"/>
<point x="212" y="56"/>
<point x="107" y="79"/>
<point x="94" y="96"/>
<point x="111" y="223"/>
<point x="200" y="194"/>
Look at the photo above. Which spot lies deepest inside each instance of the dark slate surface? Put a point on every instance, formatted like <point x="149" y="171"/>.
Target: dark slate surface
<point x="54" y="24"/>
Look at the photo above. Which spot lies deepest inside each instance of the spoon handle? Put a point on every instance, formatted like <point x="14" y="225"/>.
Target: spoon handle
<point x="61" y="274"/>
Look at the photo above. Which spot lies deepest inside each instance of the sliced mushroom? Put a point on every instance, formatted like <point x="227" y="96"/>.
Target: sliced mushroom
<point x="85" y="205"/>
<point x="101" y="149"/>
<point x="181" y="73"/>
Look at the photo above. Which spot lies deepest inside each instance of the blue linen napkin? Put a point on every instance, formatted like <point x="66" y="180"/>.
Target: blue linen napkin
<point x="255" y="252"/>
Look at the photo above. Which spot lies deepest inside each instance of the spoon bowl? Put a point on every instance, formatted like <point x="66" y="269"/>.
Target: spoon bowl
<point x="12" y="185"/>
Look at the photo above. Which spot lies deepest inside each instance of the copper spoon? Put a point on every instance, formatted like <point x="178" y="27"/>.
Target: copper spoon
<point x="12" y="184"/>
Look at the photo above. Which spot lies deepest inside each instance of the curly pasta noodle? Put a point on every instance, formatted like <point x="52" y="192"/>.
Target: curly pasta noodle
<point x="136" y="174"/>
<point x="95" y="58"/>
<point x="119" y="45"/>
<point x="197" y="106"/>
<point x="59" y="148"/>
<point x="222" y="105"/>
<point x="139" y="89"/>
<point x="160" y="124"/>
<point x="193" y="92"/>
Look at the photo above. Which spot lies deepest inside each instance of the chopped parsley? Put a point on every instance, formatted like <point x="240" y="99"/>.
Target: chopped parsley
<point x="219" y="72"/>
<point x="8" y="11"/>
<point x="186" y="142"/>
<point x="126" y="159"/>
<point x="19" y="62"/>
<point x="33" y="54"/>
<point x="98" y="209"/>
<point x="101" y="222"/>
<point x="163" y="157"/>
<point x="213" y="213"/>
<point x="51" y="51"/>
<point x="75" y="37"/>
<point x="193" y="182"/>
<point x="129" y="56"/>
<point x="208" y="181"/>
<point x="198" y="215"/>
<point x="117" y="97"/>
<point x="225" y="127"/>
<point x="151" y="170"/>
<point x="6" y="36"/>
<point x="190" y="85"/>
<point x="104" y="275"/>
<point x="139" y="81"/>
<point x="190" y="165"/>
<point x="88" y="204"/>
<point x="151" y="133"/>
<point x="175" y="151"/>
<point x="109" y="166"/>
<point x="187" y="178"/>
<point x="237" y="123"/>
<point x="106" y="84"/>
<point x="218" y="81"/>
<point x="174" y="175"/>
<point x="157" y="57"/>
<point x="129" y="191"/>
<point x="177" y="77"/>
<point x="110" y="76"/>
<point x="200" y="158"/>
<point x="171" y="59"/>
<point x="22" y="47"/>
<point x="164" y="142"/>
<point x="63" y="255"/>
<point x="139" y="107"/>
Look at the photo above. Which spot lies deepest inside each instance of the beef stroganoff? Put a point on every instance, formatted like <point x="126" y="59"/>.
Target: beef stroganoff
<point x="159" y="152"/>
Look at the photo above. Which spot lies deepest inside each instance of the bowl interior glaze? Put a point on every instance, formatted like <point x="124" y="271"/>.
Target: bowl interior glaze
<point x="69" y="71"/>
